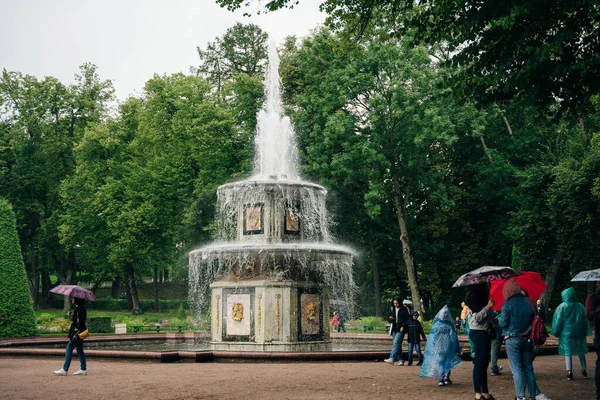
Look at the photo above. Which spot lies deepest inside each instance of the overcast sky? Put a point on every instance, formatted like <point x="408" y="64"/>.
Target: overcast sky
<point x="129" y="40"/>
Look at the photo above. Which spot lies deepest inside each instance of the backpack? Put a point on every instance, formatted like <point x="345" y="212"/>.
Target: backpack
<point x="539" y="334"/>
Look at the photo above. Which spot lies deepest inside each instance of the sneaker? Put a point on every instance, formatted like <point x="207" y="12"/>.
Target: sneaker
<point x="420" y="363"/>
<point x="400" y="363"/>
<point x="447" y="381"/>
<point x="388" y="360"/>
<point x="60" y="372"/>
<point x="442" y="383"/>
<point x="584" y="373"/>
<point x="570" y="375"/>
<point x="409" y="363"/>
<point x="541" y="396"/>
<point x="500" y="367"/>
<point x="80" y="372"/>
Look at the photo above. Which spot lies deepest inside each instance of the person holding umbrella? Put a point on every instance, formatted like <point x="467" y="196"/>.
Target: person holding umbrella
<point x="78" y="328"/>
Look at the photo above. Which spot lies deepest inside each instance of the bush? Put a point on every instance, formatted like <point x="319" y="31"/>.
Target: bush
<point x="16" y="310"/>
<point x="371" y="323"/>
<point x="44" y="319"/>
<point x="180" y="312"/>
<point x="99" y="325"/>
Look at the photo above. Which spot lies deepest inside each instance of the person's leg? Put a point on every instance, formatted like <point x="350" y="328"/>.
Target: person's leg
<point x="513" y="351"/>
<point x="419" y="354"/>
<point x="395" y="346"/>
<point x="527" y="363"/>
<point x="569" y="363"/>
<point x="597" y="372"/>
<point x="495" y="352"/>
<point x="482" y="357"/>
<point x="81" y="354"/>
<point x="69" y="355"/>
<point x="400" y="354"/>
<point x="410" y="353"/>
<point x="583" y="362"/>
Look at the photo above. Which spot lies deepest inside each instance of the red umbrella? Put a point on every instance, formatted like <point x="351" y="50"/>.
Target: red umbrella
<point x="532" y="282"/>
<point x="74" y="291"/>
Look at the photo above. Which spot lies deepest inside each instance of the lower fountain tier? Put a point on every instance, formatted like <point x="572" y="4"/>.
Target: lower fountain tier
<point x="287" y="261"/>
<point x="271" y="316"/>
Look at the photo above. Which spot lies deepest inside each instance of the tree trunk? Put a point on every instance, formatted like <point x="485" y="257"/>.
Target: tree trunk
<point x="34" y="281"/>
<point x="116" y="283"/>
<point x="132" y="294"/>
<point x="411" y="271"/>
<point x="376" y="278"/>
<point x="486" y="150"/>
<point x="508" y="128"/>
<point x="46" y="283"/>
<point x="166" y="275"/>
<point x="550" y="278"/>
<point x="155" y="279"/>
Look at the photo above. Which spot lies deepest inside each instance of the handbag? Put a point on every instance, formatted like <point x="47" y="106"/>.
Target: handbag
<point x="84" y="334"/>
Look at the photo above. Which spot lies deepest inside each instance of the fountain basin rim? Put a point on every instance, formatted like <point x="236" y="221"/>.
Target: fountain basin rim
<point x="271" y="182"/>
<point x="326" y="248"/>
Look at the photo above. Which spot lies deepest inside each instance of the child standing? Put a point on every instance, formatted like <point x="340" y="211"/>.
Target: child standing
<point x="415" y="332"/>
<point x="334" y="321"/>
<point x="443" y="350"/>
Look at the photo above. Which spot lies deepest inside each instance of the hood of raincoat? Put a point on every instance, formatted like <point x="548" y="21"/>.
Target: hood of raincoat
<point x="568" y="295"/>
<point x="444" y="315"/>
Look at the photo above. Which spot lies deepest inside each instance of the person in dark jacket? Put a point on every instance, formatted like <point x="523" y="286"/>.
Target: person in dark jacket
<point x="592" y="312"/>
<point x="415" y="332"/>
<point x="540" y="310"/>
<point x="78" y="325"/>
<point x="398" y="317"/>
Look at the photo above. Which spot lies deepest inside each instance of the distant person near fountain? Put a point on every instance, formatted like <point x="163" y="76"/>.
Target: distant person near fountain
<point x="335" y="321"/>
<point x="341" y="322"/>
<point x="398" y="317"/>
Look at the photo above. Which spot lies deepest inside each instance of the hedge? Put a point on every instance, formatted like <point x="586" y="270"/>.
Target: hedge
<point x="110" y="304"/>
<point x="99" y="325"/>
<point x="17" y="318"/>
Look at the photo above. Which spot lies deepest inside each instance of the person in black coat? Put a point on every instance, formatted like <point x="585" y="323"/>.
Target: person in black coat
<point x="78" y="325"/>
<point x="415" y="333"/>
<point x="398" y="317"/>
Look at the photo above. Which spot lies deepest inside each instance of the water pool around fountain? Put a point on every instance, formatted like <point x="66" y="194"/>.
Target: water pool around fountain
<point x="271" y="274"/>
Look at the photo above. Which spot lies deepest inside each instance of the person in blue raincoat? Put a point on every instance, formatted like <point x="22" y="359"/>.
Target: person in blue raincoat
<point x="443" y="350"/>
<point x="571" y="327"/>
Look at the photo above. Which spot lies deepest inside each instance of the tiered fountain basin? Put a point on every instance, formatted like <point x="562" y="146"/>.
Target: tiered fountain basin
<point x="274" y="278"/>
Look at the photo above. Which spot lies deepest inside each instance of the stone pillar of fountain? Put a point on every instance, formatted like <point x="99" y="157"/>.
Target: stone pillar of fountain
<point x="276" y="267"/>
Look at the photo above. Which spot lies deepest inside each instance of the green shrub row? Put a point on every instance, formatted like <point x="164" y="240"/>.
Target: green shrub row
<point x="109" y="304"/>
<point x="99" y="325"/>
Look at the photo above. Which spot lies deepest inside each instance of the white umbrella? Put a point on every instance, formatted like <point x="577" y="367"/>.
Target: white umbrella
<point x="591" y="275"/>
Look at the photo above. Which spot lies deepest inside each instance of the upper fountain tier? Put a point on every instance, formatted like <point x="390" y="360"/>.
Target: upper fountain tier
<point x="273" y="211"/>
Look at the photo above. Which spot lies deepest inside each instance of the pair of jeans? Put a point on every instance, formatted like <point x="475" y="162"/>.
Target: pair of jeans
<point x="396" y="354"/>
<point x="75" y="344"/>
<point x="520" y="356"/>
<point x="582" y="362"/>
<point x="482" y="347"/>
<point x="416" y="347"/>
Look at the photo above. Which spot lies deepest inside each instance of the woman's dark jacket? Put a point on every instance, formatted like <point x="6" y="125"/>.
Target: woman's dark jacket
<point x="401" y="321"/>
<point x="78" y="319"/>
<point x="415" y="330"/>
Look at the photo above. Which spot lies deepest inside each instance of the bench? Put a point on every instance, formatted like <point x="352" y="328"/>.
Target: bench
<point x="157" y="328"/>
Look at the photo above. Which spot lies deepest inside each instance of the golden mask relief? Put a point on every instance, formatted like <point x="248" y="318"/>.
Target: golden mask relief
<point x="237" y="311"/>
<point x="311" y="311"/>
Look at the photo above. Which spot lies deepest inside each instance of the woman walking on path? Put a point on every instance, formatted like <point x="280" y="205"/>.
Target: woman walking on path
<point x="516" y="317"/>
<point x="480" y="318"/>
<point x="78" y="325"/>
<point x="398" y="317"/>
<point x="334" y="321"/>
<point x="443" y="350"/>
<point x="572" y="328"/>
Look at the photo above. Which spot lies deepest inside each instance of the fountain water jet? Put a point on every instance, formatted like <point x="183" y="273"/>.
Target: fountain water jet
<point x="276" y="265"/>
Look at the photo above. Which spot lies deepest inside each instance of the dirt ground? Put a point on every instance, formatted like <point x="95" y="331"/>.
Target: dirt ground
<point x="32" y="378"/>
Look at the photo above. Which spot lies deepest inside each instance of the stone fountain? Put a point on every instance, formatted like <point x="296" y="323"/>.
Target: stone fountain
<point x="276" y="265"/>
